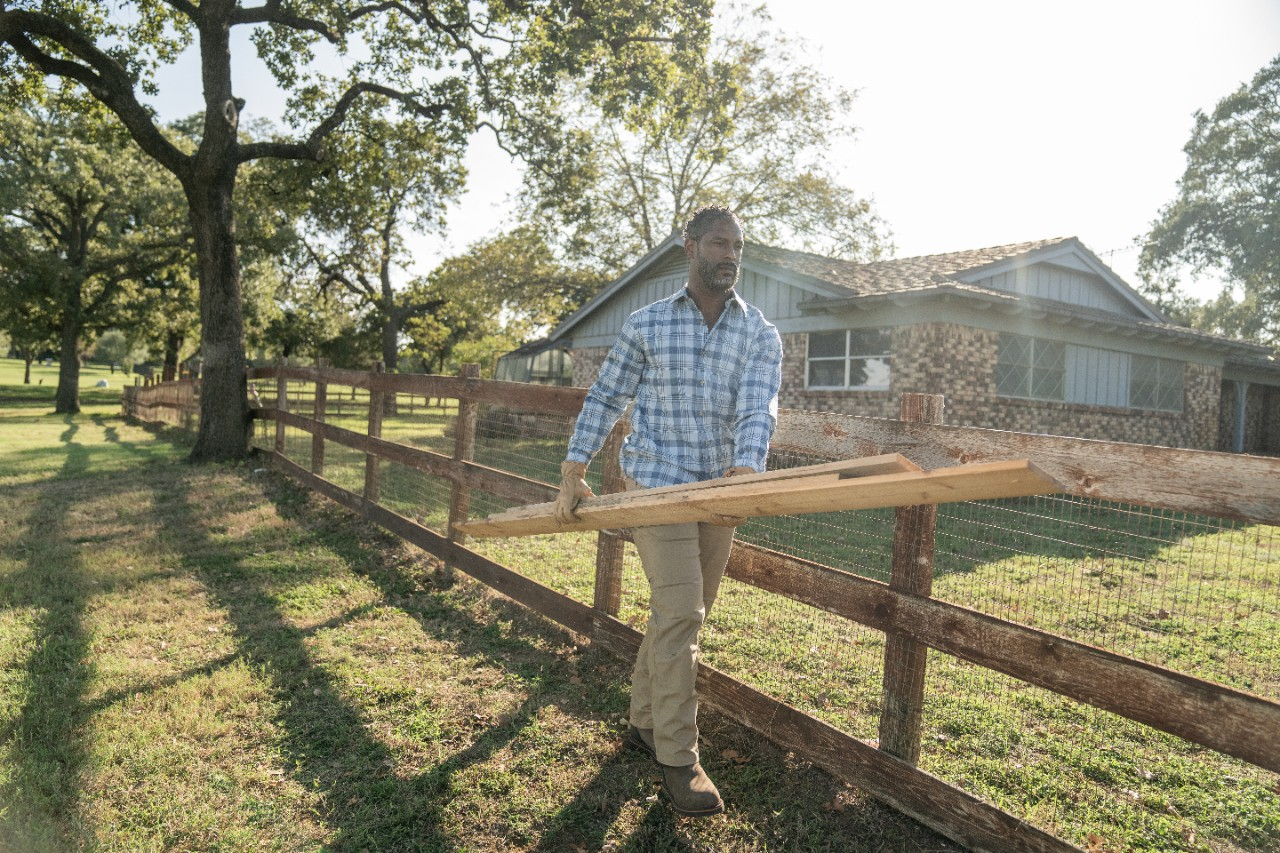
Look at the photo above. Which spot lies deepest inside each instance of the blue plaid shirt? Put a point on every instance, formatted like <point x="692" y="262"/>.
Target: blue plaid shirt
<point x="705" y="399"/>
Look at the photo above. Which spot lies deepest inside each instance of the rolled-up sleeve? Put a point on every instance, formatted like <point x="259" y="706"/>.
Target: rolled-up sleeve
<point x="757" y="413"/>
<point x="609" y="395"/>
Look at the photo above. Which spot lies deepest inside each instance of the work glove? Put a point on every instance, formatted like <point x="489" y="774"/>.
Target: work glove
<point x="573" y="488"/>
<point x="731" y="520"/>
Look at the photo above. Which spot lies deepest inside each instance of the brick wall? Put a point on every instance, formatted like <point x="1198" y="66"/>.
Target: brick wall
<point x="958" y="362"/>
<point x="1262" y="420"/>
<point x="586" y="365"/>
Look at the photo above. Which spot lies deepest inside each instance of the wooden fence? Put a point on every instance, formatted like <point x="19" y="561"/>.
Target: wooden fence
<point x="1222" y="718"/>
<point x="175" y="403"/>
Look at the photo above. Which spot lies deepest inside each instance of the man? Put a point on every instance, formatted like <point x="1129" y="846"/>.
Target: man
<point x="703" y="369"/>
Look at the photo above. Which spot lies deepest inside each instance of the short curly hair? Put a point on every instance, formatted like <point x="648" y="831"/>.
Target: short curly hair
<point x="704" y="217"/>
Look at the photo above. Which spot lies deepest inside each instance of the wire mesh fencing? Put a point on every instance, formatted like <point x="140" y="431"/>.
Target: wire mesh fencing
<point x="1194" y="594"/>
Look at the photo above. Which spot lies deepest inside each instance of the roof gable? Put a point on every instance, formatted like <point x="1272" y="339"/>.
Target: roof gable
<point x="1058" y="270"/>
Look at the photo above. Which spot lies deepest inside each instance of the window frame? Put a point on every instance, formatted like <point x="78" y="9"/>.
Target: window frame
<point x="1167" y="390"/>
<point x="848" y="358"/>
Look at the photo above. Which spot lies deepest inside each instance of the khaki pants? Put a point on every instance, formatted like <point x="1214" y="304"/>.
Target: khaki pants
<point x="684" y="564"/>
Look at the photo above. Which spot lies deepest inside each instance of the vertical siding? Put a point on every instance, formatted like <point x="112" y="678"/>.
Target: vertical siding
<point x="608" y="318"/>
<point x="1062" y="285"/>
<point x="775" y="299"/>
<point x="1097" y="377"/>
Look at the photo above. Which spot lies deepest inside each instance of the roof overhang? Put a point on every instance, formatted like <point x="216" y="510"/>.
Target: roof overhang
<point x="984" y="299"/>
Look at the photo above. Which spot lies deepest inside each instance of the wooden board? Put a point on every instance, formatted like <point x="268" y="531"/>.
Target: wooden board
<point x="759" y="495"/>
<point x="888" y="463"/>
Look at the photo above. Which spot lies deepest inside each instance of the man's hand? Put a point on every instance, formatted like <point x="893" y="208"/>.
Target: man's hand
<point x="731" y="520"/>
<point x="573" y="488"/>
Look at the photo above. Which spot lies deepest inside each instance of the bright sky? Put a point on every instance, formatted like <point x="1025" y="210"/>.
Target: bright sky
<point x="986" y="122"/>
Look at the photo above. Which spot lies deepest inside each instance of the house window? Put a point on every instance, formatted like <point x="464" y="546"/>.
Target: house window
<point x="1037" y="369"/>
<point x="1155" y="383"/>
<point x="1030" y="367"/>
<point x="854" y="359"/>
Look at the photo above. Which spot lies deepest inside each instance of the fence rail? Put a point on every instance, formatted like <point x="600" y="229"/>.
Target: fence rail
<point x="176" y="403"/>
<point x="1134" y="595"/>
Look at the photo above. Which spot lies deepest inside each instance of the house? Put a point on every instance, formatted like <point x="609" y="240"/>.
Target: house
<point x="542" y="362"/>
<point x="1035" y="337"/>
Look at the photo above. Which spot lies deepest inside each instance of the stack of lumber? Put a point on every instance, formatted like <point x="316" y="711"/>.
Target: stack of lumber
<point x="874" y="481"/>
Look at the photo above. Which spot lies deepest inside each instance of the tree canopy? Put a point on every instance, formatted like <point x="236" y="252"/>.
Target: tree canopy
<point x="84" y="219"/>
<point x="499" y="294"/>
<point x="378" y="180"/>
<point x="452" y="66"/>
<point x="1225" y="219"/>
<point x="752" y="126"/>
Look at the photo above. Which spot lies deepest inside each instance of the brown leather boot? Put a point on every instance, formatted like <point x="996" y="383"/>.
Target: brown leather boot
<point x="691" y="793"/>
<point x="642" y="739"/>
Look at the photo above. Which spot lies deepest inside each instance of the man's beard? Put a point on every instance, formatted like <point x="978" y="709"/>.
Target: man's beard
<point x="716" y="277"/>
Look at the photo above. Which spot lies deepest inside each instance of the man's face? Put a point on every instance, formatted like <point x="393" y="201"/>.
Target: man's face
<point x="717" y="256"/>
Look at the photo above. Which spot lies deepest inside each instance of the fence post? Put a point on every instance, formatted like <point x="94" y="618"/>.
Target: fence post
<point x="609" y="545"/>
<point x="282" y="404"/>
<point x="372" y="473"/>
<point x="317" y="440"/>
<point x="904" y="659"/>
<point x="464" y="449"/>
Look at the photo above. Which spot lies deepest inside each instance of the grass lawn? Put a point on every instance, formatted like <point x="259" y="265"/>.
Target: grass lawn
<point x="1194" y="594"/>
<point x="207" y="658"/>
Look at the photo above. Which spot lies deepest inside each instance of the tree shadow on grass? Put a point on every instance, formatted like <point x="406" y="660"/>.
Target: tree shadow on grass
<point x="324" y="735"/>
<point x="802" y="810"/>
<point x="45" y="752"/>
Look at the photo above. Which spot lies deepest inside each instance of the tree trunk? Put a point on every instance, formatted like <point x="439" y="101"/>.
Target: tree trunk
<point x="224" y="408"/>
<point x="390" y="356"/>
<point x="67" y="401"/>
<point x="390" y="322"/>
<point x="172" y="349"/>
<point x="28" y="357"/>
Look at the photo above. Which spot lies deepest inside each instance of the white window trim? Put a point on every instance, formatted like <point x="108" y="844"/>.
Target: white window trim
<point x="847" y="360"/>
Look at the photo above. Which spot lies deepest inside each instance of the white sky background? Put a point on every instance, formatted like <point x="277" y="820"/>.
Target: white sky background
<point x="985" y="122"/>
<point x="982" y="122"/>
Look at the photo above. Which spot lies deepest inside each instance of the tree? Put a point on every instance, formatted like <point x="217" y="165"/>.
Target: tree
<point x="507" y="290"/>
<point x="374" y="182"/>
<point x="1225" y="218"/>
<point x="451" y="65"/>
<point x="752" y="127"/>
<point x="118" y="347"/>
<point x="86" y="216"/>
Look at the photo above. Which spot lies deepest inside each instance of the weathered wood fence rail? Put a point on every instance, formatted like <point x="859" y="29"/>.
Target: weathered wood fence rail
<point x="176" y="403"/>
<point x="1228" y="720"/>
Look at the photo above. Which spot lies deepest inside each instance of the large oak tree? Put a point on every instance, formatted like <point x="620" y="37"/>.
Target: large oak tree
<point x="1225" y="219"/>
<point x="449" y="64"/>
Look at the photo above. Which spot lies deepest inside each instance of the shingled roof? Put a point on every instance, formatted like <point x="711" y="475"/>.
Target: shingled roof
<point x="896" y="276"/>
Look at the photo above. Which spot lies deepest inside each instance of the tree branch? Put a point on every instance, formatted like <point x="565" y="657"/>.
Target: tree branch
<point x="313" y="147"/>
<point x="273" y="12"/>
<point x="105" y="78"/>
<point x="185" y="7"/>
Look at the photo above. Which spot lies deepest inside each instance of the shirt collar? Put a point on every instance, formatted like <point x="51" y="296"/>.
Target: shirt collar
<point x="734" y="298"/>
